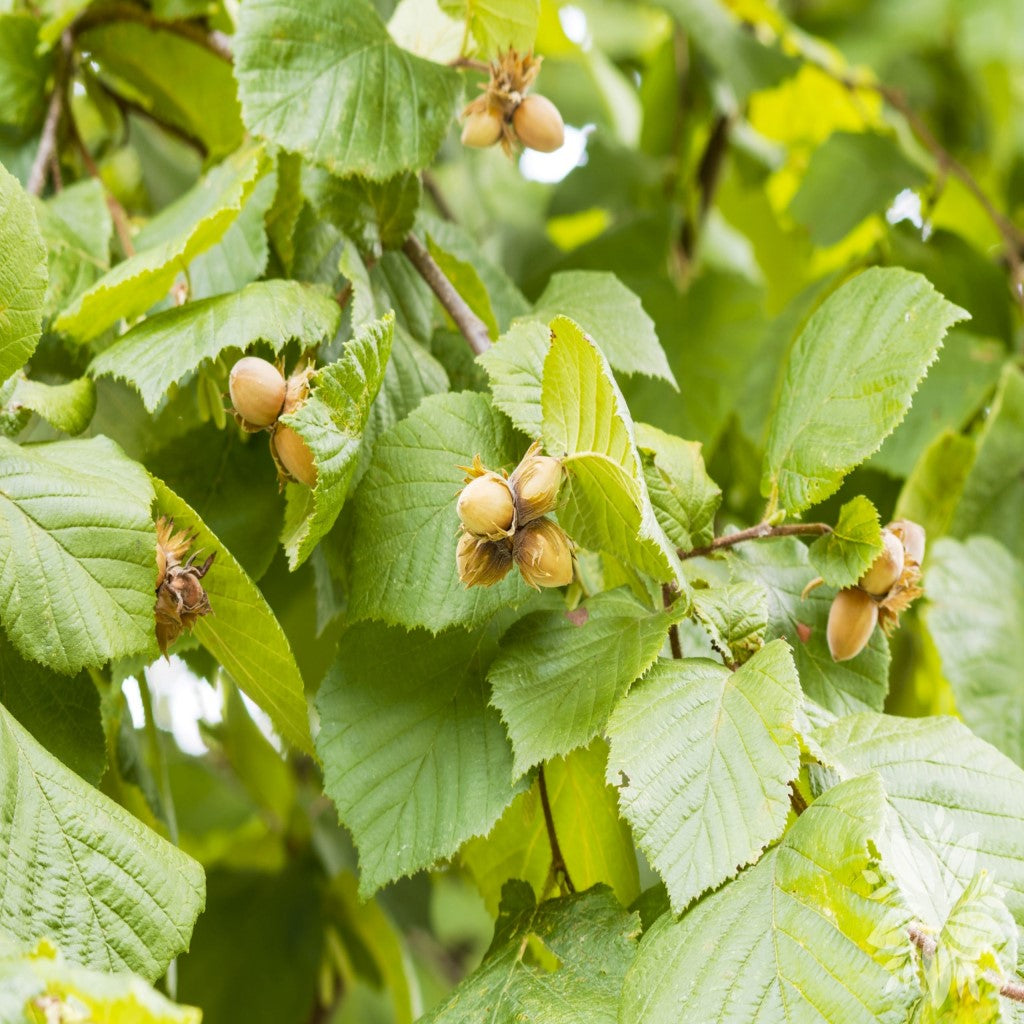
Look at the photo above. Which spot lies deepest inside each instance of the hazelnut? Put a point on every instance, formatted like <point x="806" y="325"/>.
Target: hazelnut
<point x="851" y="620"/>
<point x="544" y="555"/>
<point x="912" y="536"/>
<point x="535" y="485"/>
<point x="482" y="128"/>
<point x="482" y="563"/>
<point x="538" y="124"/>
<point x="294" y="455"/>
<point x="486" y="508"/>
<point x="886" y="568"/>
<point x="257" y="391"/>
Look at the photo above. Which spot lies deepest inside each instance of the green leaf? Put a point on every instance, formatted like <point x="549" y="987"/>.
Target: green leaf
<point x="414" y="759"/>
<point x="497" y="25"/>
<point x="68" y="407"/>
<point x="77" y="228"/>
<point x="593" y="941"/>
<point x="328" y="82"/>
<point x="948" y="832"/>
<point x="607" y="507"/>
<point x="242" y="633"/>
<point x="992" y="501"/>
<point x="559" y="674"/>
<point x="613" y="317"/>
<point x="83" y="871"/>
<point x="844" y="555"/>
<point x="594" y="840"/>
<point x="782" y="568"/>
<point x="932" y="491"/>
<point x="684" y="497"/>
<point x="405" y="527"/>
<point x="467" y="283"/>
<point x="789" y="940"/>
<point x="62" y="713"/>
<point x="166" y="347"/>
<point x="735" y="617"/>
<point x="22" y="276"/>
<point x="957" y="385"/>
<point x="746" y="63"/>
<point x="77" y="553"/>
<point x="168" y="244"/>
<point x="975" y="615"/>
<point x="372" y="213"/>
<point x="865" y="168"/>
<point x="331" y="421"/>
<point x="851" y="376"/>
<point x="43" y="980"/>
<point x="514" y="364"/>
<point x="23" y="73"/>
<point x="177" y="81"/>
<point x="703" y="758"/>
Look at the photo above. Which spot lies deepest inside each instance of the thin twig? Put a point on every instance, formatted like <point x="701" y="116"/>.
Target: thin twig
<point x="757" y="533"/>
<point x="432" y="189"/>
<point x="469" y="64"/>
<point x="668" y="595"/>
<point x="927" y="944"/>
<point x="473" y="329"/>
<point x="117" y="211"/>
<point x="47" y="151"/>
<point x="107" y="13"/>
<point x="557" y="860"/>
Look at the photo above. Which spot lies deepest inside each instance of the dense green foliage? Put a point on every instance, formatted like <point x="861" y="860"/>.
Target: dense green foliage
<point x="765" y="300"/>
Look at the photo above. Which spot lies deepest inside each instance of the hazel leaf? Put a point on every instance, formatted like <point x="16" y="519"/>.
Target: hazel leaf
<point x="847" y="552"/>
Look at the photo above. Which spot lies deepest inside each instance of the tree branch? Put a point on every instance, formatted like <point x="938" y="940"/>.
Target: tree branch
<point x="1013" y="989"/>
<point x="473" y="329"/>
<point x="557" y="860"/>
<point x="756" y="533"/>
<point x="107" y="13"/>
<point x="47" y="152"/>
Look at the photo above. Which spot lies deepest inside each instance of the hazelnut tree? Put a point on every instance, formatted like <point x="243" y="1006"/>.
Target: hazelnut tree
<point x="606" y="567"/>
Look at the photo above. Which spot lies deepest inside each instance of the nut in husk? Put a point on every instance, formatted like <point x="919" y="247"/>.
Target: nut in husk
<point x="486" y="508"/>
<point x="535" y="483"/>
<point x="851" y="620"/>
<point x="293" y="455"/>
<point x="886" y="569"/>
<point x="181" y="599"/>
<point x="481" y="562"/>
<point x="912" y="537"/>
<point x="544" y="554"/>
<point x="538" y="124"/>
<point x="257" y="392"/>
<point x="482" y="128"/>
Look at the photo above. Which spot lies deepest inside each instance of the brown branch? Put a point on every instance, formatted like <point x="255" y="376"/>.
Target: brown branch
<point x="432" y="189"/>
<point x="927" y="944"/>
<point x="668" y="595"/>
<point x="557" y="860"/>
<point x="473" y="329"/>
<point x="757" y="533"/>
<point x="47" y="152"/>
<point x="105" y="14"/>
<point x="469" y="64"/>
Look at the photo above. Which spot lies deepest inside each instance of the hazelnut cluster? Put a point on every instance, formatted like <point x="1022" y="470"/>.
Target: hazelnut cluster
<point x="889" y="586"/>
<point x="507" y="114"/>
<point x="504" y="522"/>
<point x="260" y="395"/>
<point x="181" y="599"/>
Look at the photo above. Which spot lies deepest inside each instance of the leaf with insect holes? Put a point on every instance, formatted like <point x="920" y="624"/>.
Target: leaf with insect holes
<point x="850" y="378"/>
<point x="331" y="422"/>
<point x="708" y="754"/>
<point x="166" y="347"/>
<point x="558" y="675"/>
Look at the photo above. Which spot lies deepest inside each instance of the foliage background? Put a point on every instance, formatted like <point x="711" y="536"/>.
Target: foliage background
<point x="730" y="167"/>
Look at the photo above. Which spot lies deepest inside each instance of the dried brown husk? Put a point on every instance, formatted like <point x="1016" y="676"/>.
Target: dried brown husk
<point x="906" y="590"/>
<point x="181" y="599"/>
<point x="535" y="483"/>
<point x="482" y="562"/>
